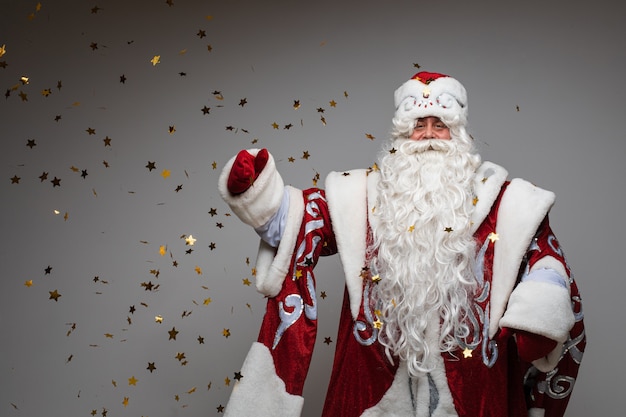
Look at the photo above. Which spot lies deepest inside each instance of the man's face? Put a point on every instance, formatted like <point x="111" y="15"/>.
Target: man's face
<point x="430" y="128"/>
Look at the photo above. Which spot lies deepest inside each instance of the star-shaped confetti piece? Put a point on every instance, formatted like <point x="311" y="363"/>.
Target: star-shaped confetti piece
<point x="173" y="333"/>
<point x="155" y="60"/>
<point x="3" y="50"/>
<point x="493" y="236"/>
<point x="190" y="240"/>
<point x="226" y="333"/>
<point x="54" y="295"/>
<point x="467" y="353"/>
<point x="132" y="380"/>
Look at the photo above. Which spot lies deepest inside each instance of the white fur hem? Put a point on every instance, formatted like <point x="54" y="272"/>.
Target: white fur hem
<point x="346" y="194"/>
<point x="272" y="264"/>
<point x="260" y="392"/>
<point x="536" y="412"/>
<point x="258" y="203"/>
<point x="522" y="209"/>
<point x="542" y="308"/>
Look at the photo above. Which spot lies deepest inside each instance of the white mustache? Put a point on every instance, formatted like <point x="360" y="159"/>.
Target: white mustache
<point x="411" y="147"/>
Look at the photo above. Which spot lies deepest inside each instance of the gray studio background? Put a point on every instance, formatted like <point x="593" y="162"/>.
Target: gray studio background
<point x="546" y="87"/>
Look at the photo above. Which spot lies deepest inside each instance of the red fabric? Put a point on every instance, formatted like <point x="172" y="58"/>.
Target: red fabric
<point x="427" y="77"/>
<point x="506" y="386"/>
<point x="531" y="347"/>
<point x="246" y="170"/>
<point x="291" y="339"/>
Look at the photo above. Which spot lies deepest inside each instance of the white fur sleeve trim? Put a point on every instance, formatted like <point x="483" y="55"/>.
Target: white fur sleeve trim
<point x="347" y="198"/>
<point x="272" y="264"/>
<point x="261" y="392"/>
<point x="487" y="185"/>
<point x="522" y="209"/>
<point x="542" y="308"/>
<point x="258" y="203"/>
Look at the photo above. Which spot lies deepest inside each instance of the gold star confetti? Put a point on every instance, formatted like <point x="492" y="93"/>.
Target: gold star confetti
<point x="493" y="236"/>
<point x="378" y="324"/>
<point x="227" y="381"/>
<point x="132" y="380"/>
<point x="226" y="333"/>
<point x="467" y="353"/>
<point x="166" y="173"/>
<point x="171" y="129"/>
<point x="155" y="60"/>
<point x="158" y="319"/>
<point x="475" y="201"/>
<point x="125" y="402"/>
<point x="305" y="155"/>
<point x="275" y="125"/>
<point x="3" y="50"/>
<point x="370" y="136"/>
<point x="246" y="282"/>
<point x="162" y="250"/>
<point x="207" y="301"/>
<point x="190" y="240"/>
<point x="54" y="295"/>
<point x="198" y="270"/>
<point x="29" y="283"/>
<point x="296" y="104"/>
<point x="332" y="103"/>
<point x="173" y="333"/>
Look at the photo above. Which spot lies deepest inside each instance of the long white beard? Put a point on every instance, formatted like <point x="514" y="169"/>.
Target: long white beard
<point x="423" y="248"/>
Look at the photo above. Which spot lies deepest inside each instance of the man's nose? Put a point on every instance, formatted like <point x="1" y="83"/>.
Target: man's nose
<point x="429" y="133"/>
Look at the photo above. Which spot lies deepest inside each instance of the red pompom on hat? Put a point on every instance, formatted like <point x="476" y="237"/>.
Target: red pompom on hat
<point x="432" y="94"/>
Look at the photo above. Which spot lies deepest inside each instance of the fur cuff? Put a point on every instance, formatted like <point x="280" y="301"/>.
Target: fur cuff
<point x="260" y="392"/>
<point x="542" y="308"/>
<point x="272" y="264"/>
<point x="258" y="204"/>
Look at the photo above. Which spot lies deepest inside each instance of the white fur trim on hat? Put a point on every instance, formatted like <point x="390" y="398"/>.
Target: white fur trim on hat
<point x="261" y="392"/>
<point x="258" y="203"/>
<point x="443" y="97"/>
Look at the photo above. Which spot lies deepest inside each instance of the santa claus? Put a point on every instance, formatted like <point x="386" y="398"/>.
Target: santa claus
<point x="459" y="301"/>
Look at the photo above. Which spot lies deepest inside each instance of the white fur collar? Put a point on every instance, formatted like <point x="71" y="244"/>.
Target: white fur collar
<point x="525" y="208"/>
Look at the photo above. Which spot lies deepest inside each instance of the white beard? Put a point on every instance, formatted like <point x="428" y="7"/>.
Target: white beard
<point x="423" y="248"/>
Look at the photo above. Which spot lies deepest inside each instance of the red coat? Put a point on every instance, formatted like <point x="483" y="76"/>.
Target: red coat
<point x="489" y="380"/>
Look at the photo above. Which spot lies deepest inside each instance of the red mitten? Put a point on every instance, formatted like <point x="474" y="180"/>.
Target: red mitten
<point x="530" y="346"/>
<point x="246" y="170"/>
